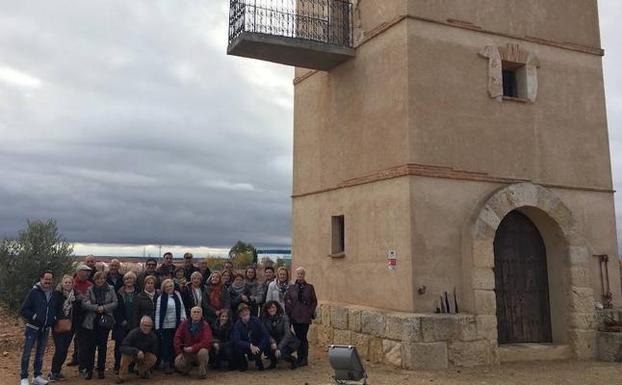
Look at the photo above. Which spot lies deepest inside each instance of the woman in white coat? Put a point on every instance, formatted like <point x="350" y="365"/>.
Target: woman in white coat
<point x="278" y="287"/>
<point x="169" y="313"/>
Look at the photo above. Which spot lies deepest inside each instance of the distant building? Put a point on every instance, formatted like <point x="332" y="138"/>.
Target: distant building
<point x="277" y="255"/>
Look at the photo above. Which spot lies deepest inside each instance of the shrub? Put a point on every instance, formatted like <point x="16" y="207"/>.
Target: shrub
<point x="37" y="248"/>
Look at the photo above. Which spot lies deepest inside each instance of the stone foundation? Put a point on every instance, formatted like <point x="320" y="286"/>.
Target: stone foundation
<point x="609" y="344"/>
<point x="407" y="340"/>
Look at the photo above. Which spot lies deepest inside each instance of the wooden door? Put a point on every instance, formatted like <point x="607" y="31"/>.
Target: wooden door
<point x="521" y="282"/>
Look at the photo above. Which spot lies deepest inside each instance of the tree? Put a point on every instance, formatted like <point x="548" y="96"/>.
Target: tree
<point x="215" y="263"/>
<point x="243" y="254"/>
<point x="37" y="248"/>
<point x="266" y="261"/>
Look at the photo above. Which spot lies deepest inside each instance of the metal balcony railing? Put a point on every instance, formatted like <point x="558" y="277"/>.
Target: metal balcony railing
<point x="305" y="29"/>
<point x="323" y="21"/>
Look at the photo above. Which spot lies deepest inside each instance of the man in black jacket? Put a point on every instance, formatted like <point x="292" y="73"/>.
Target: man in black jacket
<point x="139" y="347"/>
<point x="189" y="266"/>
<point x="150" y="269"/>
<point x="39" y="313"/>
<point x="167" y="267"/>
<point x="114" y="277"/>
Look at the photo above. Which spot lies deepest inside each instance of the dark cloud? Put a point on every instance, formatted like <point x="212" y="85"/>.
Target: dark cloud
<point x="127" y="123"/>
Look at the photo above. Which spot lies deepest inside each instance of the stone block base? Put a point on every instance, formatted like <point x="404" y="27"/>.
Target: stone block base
<point x="407" y="340"/>
<point x="609" y="346"/>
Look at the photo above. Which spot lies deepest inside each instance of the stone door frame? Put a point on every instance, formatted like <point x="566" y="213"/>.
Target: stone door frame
<point x="479" y="262"/>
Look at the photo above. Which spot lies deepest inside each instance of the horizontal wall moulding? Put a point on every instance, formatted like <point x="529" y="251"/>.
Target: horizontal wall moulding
<point x="462" y="24"/>
<point x="431" y="171"/>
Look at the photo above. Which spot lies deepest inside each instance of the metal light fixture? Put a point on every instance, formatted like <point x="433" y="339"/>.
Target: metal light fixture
<point x="345" y="361"/>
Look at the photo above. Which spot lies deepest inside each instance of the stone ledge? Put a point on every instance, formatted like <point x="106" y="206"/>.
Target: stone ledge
<point x="533" y="352"/>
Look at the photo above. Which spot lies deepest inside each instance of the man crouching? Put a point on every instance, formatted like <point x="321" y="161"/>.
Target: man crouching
<point x="139" y="347"/>
<point x="193" y="339"/>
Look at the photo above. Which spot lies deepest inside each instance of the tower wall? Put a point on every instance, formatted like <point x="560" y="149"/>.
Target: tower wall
<point x="408" y="143"/>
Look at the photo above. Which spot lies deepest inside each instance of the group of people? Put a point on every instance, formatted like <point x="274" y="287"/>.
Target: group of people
<point x="167" y="318"/>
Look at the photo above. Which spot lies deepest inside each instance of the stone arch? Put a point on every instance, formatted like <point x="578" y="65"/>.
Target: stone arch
<point x="546" y="210"/>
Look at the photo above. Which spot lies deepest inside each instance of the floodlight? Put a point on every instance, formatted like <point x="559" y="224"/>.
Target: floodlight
<point x="345" y="361"/>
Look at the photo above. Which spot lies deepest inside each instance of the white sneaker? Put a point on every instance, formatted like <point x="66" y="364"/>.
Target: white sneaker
<point x="39" y="380"/>
<point x="24" y="381"/>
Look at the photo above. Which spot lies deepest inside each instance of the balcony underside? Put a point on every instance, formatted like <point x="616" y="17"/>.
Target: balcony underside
<point x="289" y="51"/>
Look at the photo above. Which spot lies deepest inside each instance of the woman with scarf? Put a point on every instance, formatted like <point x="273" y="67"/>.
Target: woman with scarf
<point x="100" y="303"/>
<point x="239" y="292"/>
<point x="180" y="279"/>
<point x="65" y="299"/>
<point x="124" y="315"/>
<point x="300" y="304"/>
<point x="169" y="313"/>
<point x="250" y="280"/>
<point x="278" y="287"/>
<point x="282" y="342"/>
<point x="216" y="299"/>
<point x="227" y="279"/>
<point x="222" y="346"/>
<point x="193" y="292"/>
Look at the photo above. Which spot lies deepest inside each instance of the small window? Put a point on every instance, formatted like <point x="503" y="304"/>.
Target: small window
<point x="509" y="84"/>
<point x="338" y="243"/>
<point x="513" y="80"/>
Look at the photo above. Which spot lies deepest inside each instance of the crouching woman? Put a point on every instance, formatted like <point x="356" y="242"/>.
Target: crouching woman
<point x="250" y="339"/>
<point x="282" y="342"/>
<point x="222" y="346"/>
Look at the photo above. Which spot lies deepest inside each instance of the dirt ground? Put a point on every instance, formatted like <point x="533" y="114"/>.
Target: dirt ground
<point x="319" y="371"/>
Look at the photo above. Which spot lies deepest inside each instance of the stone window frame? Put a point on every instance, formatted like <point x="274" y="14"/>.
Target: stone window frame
<point x="512" y="53"/>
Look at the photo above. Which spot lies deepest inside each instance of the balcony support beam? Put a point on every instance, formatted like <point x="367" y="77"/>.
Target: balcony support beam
<point x="289" y="51"/>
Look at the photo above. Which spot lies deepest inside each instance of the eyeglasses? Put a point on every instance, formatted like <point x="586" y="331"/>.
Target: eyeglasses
<point x="151" y="264"/>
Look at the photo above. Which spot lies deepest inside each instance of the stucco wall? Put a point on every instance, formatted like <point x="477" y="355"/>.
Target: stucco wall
<point x="559" y="20"/>
<point x="417" y="93"/>
<point x="377" y="219"/>
<point x="351" y="121"/>
<point x="560" y="139"/>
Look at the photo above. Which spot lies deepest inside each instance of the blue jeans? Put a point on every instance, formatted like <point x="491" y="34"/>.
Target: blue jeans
<point x="32" y="336"/>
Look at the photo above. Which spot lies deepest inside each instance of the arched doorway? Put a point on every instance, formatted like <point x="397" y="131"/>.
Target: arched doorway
<point x="521" y="282"/>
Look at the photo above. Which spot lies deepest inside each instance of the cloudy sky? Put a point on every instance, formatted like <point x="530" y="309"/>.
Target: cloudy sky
<point x="126" y="122"/>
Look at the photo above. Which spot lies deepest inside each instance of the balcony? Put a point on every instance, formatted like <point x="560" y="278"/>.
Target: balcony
<point x="315" y="34"/>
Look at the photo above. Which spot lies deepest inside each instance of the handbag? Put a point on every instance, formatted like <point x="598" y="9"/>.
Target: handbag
<point x="63" y="326"/>
<point x="105" y="321"/>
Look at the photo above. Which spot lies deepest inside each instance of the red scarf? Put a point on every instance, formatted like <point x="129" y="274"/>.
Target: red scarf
<point x="81" y="286"/>
<point x="214" y="297"/>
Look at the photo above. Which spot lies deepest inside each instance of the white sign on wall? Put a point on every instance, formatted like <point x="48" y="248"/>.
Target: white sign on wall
<point x="392" y="259"/>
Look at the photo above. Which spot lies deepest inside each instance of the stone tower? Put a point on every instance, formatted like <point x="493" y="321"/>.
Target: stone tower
<point x="469" y="145"/>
